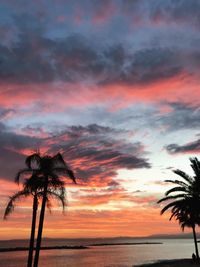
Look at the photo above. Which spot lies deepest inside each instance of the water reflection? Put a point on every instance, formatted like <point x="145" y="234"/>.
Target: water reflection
<point x="104" y="256"/>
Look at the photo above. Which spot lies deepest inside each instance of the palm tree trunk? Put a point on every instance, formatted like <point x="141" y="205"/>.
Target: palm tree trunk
<point x="32" y="237"/>
<point x="40" y="227"/>
<point x="195" y="242"/>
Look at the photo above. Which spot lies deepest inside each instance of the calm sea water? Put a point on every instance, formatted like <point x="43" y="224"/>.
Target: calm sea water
<point x="105" y="256"/>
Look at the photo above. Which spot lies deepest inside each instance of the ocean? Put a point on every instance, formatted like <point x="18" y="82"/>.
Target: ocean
<point x="103" y="256"/>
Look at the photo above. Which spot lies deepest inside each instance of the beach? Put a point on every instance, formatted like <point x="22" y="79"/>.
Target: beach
<point x="171" y="263"/>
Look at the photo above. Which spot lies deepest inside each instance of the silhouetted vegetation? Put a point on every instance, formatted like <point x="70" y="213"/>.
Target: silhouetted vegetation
<point x="34" y="187"/>
<point x="184" y="199"/>
<point x="42" y="180"/>
<point x="44" y="183"/>
<point x="49" y="168"/>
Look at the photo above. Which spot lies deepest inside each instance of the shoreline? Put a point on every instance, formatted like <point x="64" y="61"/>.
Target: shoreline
<point x="79" y="247"/>
<point x="170" y="263"/>
<point x="42" y="248"/>
<point x="126" y="244"/>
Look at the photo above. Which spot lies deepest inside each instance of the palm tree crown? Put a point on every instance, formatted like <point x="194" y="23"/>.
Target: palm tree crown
<point x="46" y="166"/>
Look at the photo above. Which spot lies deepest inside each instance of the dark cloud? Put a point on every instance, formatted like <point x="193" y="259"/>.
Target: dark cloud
<point x="35" y="59"/>
<point x="92" y="129"/>
<point x="143" y="66"/>
<point x="10" y="163"/>
<point x="11" y="147"/>
<point x="95" y="152"/>
<point x="14" y="141"/>
<point x="154" y="64"/>
<point x="182" y="116"/>
<point x="192" y="147"/>
<point x="181" y="11"/>
<point x="36" y="56"/>
<point x="5" y="113"/>
<point x="28" y="59"/>
<point x="179" y="8"/>
<point x="76" y="59"/>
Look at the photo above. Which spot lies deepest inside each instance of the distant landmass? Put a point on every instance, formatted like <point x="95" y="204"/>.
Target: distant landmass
<point x="42" y="248"/>
<point x="172" y="236"/>
<point x="9" y="249"/>
<point x="52" y="242"/>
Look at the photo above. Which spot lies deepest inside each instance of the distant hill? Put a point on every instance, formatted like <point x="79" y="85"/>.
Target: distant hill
<point x="172" y="236"/>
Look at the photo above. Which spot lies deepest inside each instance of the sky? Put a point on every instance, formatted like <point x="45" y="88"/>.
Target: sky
<point x="113" y="85"/>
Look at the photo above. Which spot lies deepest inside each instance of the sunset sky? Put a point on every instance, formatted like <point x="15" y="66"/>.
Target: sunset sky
<point x="114" y="86"/>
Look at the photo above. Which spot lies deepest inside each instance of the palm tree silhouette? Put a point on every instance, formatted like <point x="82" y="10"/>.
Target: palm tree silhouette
<point x="33" y="187"/>
<point x="49" y="169"/>
<point x="184" y="199"/>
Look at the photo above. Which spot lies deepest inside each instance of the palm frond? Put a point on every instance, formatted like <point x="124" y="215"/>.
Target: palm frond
<point x="56" y="183"/>
<point x="20" y="173"/>
<point x="54" y="176"/>
<point x="184" y="175"/>
<point x="59" y="160"/>
<point x="34" y="185"/>
<point x="49" y="205"/>
<point x="174" y="212"/>
<point x="33" y="158"/>
<point x="59" y="196"/>
<point x="195" y="164"/>
<point x="9" y="209"/>
<point x="71" y="175"/>
<point x="65" y="171"/>
<point x="171" y="197"/>
<point x="170" y="205"/>
<point x="10" y="206"/>
<point x="183" y="226"/>
<point x="177" y="182"/>
<point x="176" y="189"/>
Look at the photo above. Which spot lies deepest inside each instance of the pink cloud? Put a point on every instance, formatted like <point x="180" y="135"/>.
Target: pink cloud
<point x="115" y="96"/>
